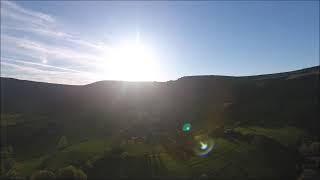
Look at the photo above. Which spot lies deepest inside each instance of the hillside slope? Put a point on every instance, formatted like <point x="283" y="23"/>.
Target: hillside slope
<point x="103" y="122"/>
<point x="290" y="97"/>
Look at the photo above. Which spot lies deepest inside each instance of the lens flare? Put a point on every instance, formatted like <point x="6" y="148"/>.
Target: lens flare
<point x="204" y="145"/>
<point x="186" y="127"/>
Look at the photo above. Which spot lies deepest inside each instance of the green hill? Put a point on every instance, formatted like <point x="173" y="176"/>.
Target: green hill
<point x="133" y="129"/>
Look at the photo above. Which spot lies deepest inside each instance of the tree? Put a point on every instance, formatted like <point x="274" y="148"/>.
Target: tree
<point x="87" y="165"/>
<point x="13" y="173"/>
<point x="63" y="142"/>
<point x="72" y="173"/>
<point x="43" y="175"/>
<point x="7" y="160"/>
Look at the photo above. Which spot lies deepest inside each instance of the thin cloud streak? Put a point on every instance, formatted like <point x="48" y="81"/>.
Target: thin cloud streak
<point x="17" y="13"/>
<point x="37" y="49"/>
<point x="40" y="23"/>
<point x="15" y="7"/>
<point x="39" y="64"/>
<point x="33" y="73"/>
<point x="17" y="18"/>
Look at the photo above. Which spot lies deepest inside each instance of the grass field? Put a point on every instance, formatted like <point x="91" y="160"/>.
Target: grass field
<point x="229" y="159"/>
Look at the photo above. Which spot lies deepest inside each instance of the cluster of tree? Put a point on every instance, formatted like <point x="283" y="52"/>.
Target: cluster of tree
<point x="7" y="159"/>
<point x="8" y="168"/>
<point x="310" y="148"/>
<point x="69" y="172"/>
<point x="66" y="173"/>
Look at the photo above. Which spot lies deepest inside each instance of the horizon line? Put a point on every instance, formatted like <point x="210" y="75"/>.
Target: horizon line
<point x="187" y="76"/>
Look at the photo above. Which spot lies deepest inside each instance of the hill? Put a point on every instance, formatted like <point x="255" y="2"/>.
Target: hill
<point x="101" y="119"/>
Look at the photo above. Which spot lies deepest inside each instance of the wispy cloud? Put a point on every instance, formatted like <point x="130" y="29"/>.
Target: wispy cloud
<point x="37" y="50"/>
<point x="4" y="59"/>
<point x="59" y="52"/>
<point x="14" y="12"/>
<point x="30" y="13"/>
<point x="30" y="71"/>
<point x="36" y="30"/>
<point x="68" y="48"/>
<point x="18" y="18"/>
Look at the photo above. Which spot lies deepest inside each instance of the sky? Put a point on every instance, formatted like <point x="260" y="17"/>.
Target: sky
<point x="80" y="42"/>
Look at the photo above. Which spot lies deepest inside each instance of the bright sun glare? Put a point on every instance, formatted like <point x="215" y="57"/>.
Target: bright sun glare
<point x="132" y="62"/>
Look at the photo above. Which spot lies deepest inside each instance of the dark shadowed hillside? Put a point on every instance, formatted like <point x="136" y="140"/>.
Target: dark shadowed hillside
<point x="290" y="97"/>
<point x="36" y="115"/>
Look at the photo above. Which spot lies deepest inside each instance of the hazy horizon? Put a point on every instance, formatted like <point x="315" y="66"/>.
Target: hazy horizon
<point x="156" y="81"/>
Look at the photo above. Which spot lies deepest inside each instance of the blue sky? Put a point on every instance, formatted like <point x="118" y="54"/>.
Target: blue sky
<point x="74" y="42"/>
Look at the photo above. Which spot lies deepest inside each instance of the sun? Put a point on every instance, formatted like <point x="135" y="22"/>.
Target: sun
<point x="132" y="61"/>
